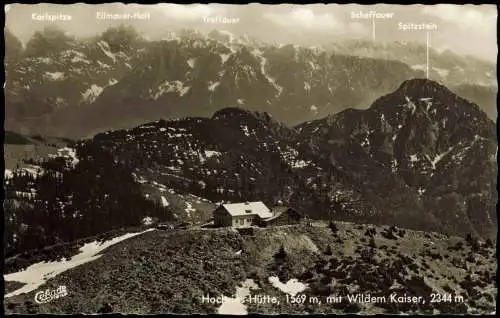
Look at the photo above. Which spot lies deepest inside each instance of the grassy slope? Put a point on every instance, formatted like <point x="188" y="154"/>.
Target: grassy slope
<point x="179" y="202"/>
<point x="169" y="271"/>
<point x="18" y="147"/>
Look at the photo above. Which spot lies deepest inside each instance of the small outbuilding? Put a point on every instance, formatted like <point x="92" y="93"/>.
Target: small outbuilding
<point x="283" y="216"/>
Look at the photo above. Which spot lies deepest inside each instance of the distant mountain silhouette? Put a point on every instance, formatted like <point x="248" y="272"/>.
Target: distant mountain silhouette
<point x="78" y="87"/>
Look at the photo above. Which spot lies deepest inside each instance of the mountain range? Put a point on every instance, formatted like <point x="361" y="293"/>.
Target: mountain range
<point x="420" y="157"/>
<point x="445" y="66"/>
<point x="62" y="86"/>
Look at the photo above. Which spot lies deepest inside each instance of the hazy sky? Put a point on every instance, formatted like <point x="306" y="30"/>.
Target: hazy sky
<point x="465" y="29"/>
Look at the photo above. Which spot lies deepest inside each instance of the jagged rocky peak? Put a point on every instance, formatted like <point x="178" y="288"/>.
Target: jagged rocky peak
<point x="230" y="112"/>
<point x="221" y="35"/>
<point x="190" y="34"/>
<point x="235" y="116"/>
<point x="422" y="87"/>
<point x="428" y="90"/>
<point x="240" y="113"/>
<point x="426" y="95"/>
<point x="346" y="114"/>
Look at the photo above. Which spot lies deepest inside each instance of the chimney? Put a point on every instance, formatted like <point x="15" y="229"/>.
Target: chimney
<point x="247" y="203"/>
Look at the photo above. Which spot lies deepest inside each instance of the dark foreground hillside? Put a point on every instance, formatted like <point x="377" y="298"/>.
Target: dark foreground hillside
<point x="170" y="271"/>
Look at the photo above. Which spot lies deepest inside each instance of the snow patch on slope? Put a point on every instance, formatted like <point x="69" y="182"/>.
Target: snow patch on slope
<point x="213" y="85"/>
<point x="55" y="76"/>
<point x="189" y="208"/>
<point x="224" y="57"/>
<point x="236" y="305"/>
<point x="292" y="287"/>
<point x="170" y="87"/>
<point x="211" y="153"/>
<point x="91" y="94"/>
<point x="112" y="82"/>
<point x="68" y="153"/>
<point x="272" y="81"/>
<point x="103" y="65"/>
<point x="8" y="174"/>
<point x="438" y="157"/>
<point x="104" y="46"/>
<point x="164" y="201"/>
<point x="38" y="274"/>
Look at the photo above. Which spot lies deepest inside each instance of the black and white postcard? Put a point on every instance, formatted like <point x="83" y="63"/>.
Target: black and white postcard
<point x="250" y="159"/>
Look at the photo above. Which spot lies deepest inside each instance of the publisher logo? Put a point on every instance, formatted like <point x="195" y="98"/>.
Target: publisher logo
<point x="48" y="295"/>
